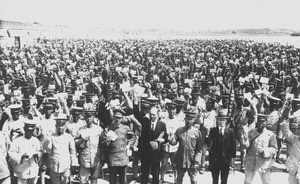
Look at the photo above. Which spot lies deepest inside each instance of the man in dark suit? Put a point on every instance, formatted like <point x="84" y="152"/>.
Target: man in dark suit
<point x="153" y="136"/>
<point x="223" y="148"/>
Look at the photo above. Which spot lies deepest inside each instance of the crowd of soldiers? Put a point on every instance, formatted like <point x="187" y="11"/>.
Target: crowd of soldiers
<point x="70" y="106"/>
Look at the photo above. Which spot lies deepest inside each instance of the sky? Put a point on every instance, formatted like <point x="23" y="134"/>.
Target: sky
<point x="157" y="14"/>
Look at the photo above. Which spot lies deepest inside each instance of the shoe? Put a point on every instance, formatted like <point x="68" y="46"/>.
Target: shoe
<point x="242" y="169"/>
<point x="279" y="161"/>
<point x="202" y="170"/>
<point x="134" y="181"/>
<point x="161" y="181"/>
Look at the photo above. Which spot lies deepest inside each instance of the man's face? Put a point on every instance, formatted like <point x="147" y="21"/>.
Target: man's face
<point x="271" y="87"/>
<point x="194" y="100"/>
<point x="117" y="118"/>
<point x="26" y="107"/>
<point x="190" y="120"/>
<point x="209" y="105"/>
<point x="260" y="125"/>
<point x="28" y="133"/>
<point x="89" y="119"/>
<point x="26" y="92"/>
<point x="145" y="110"/>
<point x="75" y="116"/>
<point x="153" y="115"/>
<point x="225" y="101"/>
<point x="15" y="115"/>
<point x="60" y="126"/>
<point x="221" y="122"/>
<point x="48" y="112"/>
<point x="164" y="95"/>
<point x="172" y="112"/>
<point x="239" y="102"/>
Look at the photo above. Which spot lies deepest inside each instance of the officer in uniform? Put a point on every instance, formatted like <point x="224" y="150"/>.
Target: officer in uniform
<point x="242" y="120"/>
<point x="207" y="121"/>
<point x="261" y="149"/>
<point x="87" y="143"/>
<point x="76" y="122"/>
<point x="275" y="118"/>
<point x="14" y="126"/>
<point x="25" y="153"/>
<point x="173" y="122"/>
<point x="294" y="120"/>
<point x="62" y="152"/>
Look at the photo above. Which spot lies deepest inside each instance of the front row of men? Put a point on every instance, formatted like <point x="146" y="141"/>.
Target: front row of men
<point x="91" y="146"/>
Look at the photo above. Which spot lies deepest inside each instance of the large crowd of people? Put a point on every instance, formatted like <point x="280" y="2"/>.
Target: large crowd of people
<point x="70" y="106"/>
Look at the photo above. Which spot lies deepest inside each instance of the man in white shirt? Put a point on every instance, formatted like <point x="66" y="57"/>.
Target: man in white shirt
<point x="24" y="154"/>
<point x="62" y="152"/>
<point x="14" y="125"/>
<point x="172" y="122"/>
<point x="90" y="154"/>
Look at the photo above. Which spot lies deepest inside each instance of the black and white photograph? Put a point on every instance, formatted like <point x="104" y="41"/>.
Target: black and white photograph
<point x="149" y="91"/>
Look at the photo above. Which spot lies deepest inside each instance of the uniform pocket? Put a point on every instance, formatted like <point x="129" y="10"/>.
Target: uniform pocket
<point x="193" y="142"/>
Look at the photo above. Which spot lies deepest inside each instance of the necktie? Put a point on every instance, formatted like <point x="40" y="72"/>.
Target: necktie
<point x="220" y="135"/>
<point x="152" y="126"/>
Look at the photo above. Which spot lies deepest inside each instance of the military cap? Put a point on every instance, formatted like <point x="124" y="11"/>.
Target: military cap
<point x="119" y="112"/>
<point x="50" y="93"/>
<point x="15" y="107"/>
<point x="89" y="95"/>
<point x="171" y="105"/>
<point x="29" y="124"/>
<point x="239" y="96"/>
<point x="25" y="101"/>
<point x="180" y="102"/>
<point x="40" y="96"/>
<point x="76" y="110"/>
<point x="180" y="87"/>
<point x="274" y="99"/>
<point x="61" y="116"/>
<point x="116" y="95"/>
<point x="172" y="95"/>
<point x="164" y="90"/>
<point x="25" y="87"/>
<point x="80" y="103"/>
<point x="195" y="95"/>
<point x="262" y="117"/>
<point x="89" y="112"/>
<point x="192" y="111"/>
<point x="48" y="105"/>
<point x="196" y="89"/>
<point x="146" y="104"/>
<point x="152" y="99"/>
<point x="225" y="95"/>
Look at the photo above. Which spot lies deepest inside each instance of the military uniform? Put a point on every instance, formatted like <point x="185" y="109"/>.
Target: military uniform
<point x="26" y="170"/>
<point x="4" y="168"/>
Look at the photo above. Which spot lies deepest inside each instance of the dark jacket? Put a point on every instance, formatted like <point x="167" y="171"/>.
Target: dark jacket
<point x="225" y="150"/>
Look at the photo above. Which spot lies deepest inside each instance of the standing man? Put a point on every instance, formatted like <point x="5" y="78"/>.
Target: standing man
<point x="14" y="125"/>
<point x="90" y="154"/>
<point x="207" y="121"/>
<point x="173" y="122"/>
<point x="223" y="148"/>
<point x="4" y="168"/>
<point x="118" y="147"/>
<point x="261" y="150"/>
<point x="293" y="159"/>
<point x="62" y="152"/>
<point x="24" y="154"/>
<point x="188" y="156"/>
<point x="153" y="136"/>
<point x="243" y="116"/>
